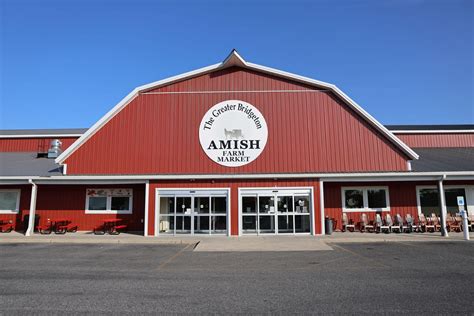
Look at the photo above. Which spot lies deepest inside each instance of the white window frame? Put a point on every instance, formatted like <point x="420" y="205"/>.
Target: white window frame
<point x="365" y="199"/>
<point x="17" y="206"/>
<point x="108" y="209"/>
<point x="468" y="190"/>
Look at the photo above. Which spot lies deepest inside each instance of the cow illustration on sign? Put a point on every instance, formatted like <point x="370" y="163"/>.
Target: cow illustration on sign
<point x="234" y="133"/>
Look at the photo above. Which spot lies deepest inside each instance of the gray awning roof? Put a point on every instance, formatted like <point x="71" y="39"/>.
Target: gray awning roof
<point x="431" y="160"/>
<point x="26" y="164"/>
<point x="444" y="159"/>
<point x="46" y="132"/>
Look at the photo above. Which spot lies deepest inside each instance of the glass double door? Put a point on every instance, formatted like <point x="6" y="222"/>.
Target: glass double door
<point x="276" y="213"/>
<point x="193" y="214"/>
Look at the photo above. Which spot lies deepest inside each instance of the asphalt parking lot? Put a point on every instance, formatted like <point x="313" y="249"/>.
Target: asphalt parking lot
<point x="382" y="278"/>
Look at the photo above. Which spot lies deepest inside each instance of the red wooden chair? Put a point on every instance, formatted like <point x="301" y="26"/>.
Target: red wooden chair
<point x="6" y="227"/>
<point x="115" y="230"/>
<point x="65" y="226"/>
<point x="99" y="230"/>
<point x="45" y="229"/>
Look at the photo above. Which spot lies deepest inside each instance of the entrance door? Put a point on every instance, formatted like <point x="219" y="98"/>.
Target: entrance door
<point x="275" y="211"/>
<point x="192" y="212"/>
<point x="184" y="215"/>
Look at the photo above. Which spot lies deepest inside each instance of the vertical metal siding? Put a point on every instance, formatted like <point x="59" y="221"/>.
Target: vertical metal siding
<point x="310" y="131"/>
<point x="438" y="140"/>
<point x="31" y="144"/>
<point x="69" y="201"/>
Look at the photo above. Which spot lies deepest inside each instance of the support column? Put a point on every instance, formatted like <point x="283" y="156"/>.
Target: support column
<point x="147" y="202"/>
<point x="321" y="206"/>
<point x="31" y="220"/>
<point x="442" y="203"/>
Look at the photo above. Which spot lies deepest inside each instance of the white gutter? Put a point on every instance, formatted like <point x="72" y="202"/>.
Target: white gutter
<point x="453" y="131"/>
<point x="240" y="176"/>
<point x="327" y="177"/>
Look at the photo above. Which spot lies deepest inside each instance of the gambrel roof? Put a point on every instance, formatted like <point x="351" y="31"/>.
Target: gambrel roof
<point x="234" y="59"/>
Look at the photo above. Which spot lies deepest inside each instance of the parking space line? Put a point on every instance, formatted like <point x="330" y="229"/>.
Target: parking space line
<point x="161" y="266"/>
<point x="361" y="256"/>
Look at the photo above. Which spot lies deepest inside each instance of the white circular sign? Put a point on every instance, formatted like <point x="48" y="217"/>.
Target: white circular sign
<point x="233" y="133"/>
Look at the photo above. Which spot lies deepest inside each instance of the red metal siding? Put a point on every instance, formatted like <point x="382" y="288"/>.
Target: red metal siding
<point x="402" y="197"/>
<point x="69" y="201"/>
<point x="234" y="195"/>
<point x="438" y="140"/>
<point x="309" y="131"/>
<point x="32" y="144"/>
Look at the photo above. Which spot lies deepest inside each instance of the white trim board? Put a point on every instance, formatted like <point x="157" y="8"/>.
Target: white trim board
<point x="234" y="59"/>
<point x="459" y="131"/>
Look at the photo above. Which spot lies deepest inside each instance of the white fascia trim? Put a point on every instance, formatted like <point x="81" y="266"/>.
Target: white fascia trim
<point x="458" y="131"/>
<point x="40" y="136"/>
<point x="327" y="177"/>
<point x="233" y="56"/>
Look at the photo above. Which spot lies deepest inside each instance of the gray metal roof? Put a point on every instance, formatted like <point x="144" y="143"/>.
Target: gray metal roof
<point x="52" y="132"/>
<point x="447" y="127"/>
<point x="26" y="164"/>
<point x="444" y="159"/>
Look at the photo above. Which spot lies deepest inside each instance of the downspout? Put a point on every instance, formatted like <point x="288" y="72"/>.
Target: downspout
<point x="442" y="203"/>
<point x="31" y="219"/>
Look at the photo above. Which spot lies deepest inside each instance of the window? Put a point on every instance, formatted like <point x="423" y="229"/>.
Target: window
<point x="104" y="201"/>
<point x="9" y="201"/>
<point x="354" y="199"/>
<point x="428" y="199"/>
<point x="367" y="199"/>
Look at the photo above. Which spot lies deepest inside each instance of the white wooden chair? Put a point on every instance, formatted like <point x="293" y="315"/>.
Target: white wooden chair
<point x="347" y="224"/>
<point x="387" y="226"/>
<point x="398" y="225"/>
<point x="365" y="225"/>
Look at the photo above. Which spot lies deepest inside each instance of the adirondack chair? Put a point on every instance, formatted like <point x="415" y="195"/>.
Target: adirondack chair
<point x="365" y="225"/>
<point x="378" y="223"/>
<point x="398" y="224"/>
<point x="456" y="224"/>
<point x="425" y="224"/>
<point x="411" y="226"/>
<point x="347" y="224"/>
<point x="436" y="222"/>
<point x="387" y="226"/>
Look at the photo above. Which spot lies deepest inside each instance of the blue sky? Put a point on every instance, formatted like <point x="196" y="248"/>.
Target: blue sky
<point x="66" y="63"/>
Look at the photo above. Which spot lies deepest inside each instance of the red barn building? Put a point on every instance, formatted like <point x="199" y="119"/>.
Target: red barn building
<point x="234" y="148"/>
